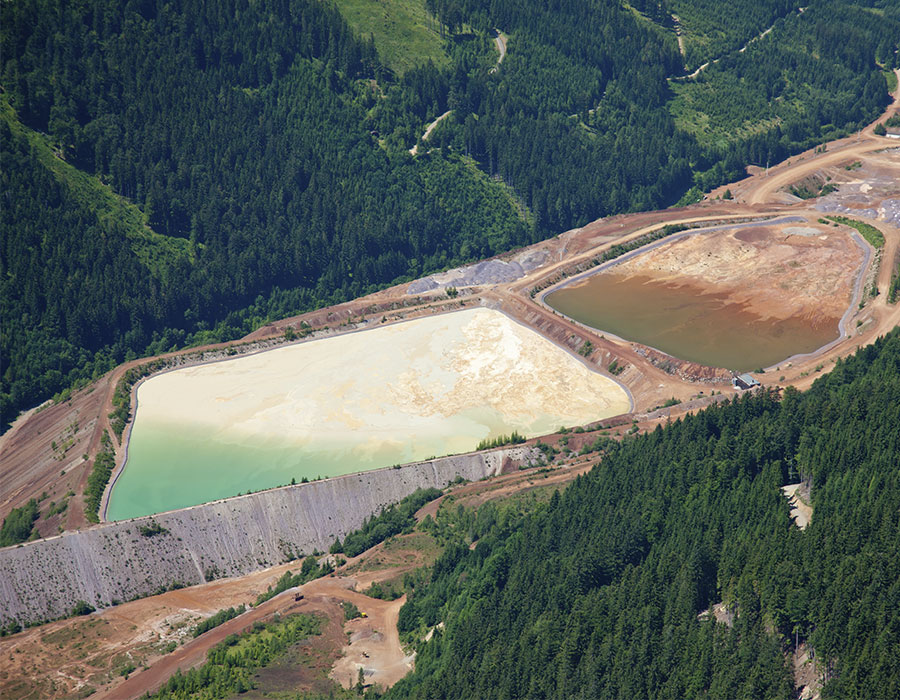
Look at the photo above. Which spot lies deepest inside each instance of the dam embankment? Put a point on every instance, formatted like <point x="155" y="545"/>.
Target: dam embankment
<point x="116" y="562"/>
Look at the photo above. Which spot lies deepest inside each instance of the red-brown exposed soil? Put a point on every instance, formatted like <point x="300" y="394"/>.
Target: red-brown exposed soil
<point x="64" y="658"/>
<point x="31" y="466"/>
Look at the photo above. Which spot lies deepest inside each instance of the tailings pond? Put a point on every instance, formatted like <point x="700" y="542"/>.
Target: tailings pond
<point x="687" y="322"/>
<point x="359" y="401"/>
<point x="740" y="297"/>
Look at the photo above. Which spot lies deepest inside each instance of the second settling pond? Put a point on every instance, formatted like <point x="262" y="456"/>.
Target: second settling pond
<point x="687" y="322"/>
<point x="739" y="297"/>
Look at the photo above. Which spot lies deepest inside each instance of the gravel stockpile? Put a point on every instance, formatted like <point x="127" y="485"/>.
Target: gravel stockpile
<point x="890" y="211"/>
<point x="485" y="272"/>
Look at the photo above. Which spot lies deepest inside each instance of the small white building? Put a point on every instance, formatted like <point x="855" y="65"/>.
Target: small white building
<point x="744" y="381"/>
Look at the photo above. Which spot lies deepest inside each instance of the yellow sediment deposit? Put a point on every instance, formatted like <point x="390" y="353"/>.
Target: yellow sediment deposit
<point x="389" y="395"/>
<point x="380" y="383"/>
<point x="776" y="271"/>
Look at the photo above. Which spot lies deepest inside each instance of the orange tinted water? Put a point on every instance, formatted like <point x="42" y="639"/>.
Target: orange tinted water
<point x="688" y="323"/>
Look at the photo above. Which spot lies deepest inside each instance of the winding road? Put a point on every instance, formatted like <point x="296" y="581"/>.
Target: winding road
<point x="763" y="190"/>
<point x="387" y="662"/>
<point x="706" y="65"/>
<point x="500" y="38"/>
<point x="428" y="129"/>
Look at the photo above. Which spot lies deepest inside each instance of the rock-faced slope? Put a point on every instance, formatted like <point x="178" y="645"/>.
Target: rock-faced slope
<point x="117" y="561"/>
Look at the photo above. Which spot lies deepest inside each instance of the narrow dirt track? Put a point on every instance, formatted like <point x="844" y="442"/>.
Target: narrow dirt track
<point x="781" y="177"/>
<point x="715" y="60"/>
<point x="194" y="652"/>
<point x="500" y="40"/>
<point x="888" y="256"/>
<point x="320" y="595"/>
<point x="374" y="640"/>
<point x="431" y="127"/>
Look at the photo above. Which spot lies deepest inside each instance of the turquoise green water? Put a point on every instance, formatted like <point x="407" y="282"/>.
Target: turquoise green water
<point x="174" y="466"/>
<point x="390" y="395"/>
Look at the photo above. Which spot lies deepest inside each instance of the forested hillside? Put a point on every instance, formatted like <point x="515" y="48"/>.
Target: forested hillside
<point x="709" y="32"/>
<point x="575" y="117"/>
<point x="233" y="162"/>
<point x="586" y="115"/>
<point x="600" y="593"/>
<point x="238" y="128"/>
<point x="812" y="75"/>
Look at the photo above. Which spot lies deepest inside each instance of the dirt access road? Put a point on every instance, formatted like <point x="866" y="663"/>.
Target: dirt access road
<point x="679" y="33"/>
<point x="62" y="658"/>
<point x="428" y="129"/>
<point x="386" y="662"/>
<point x="764" y="190"/>
<point x="374" y="643"/>
<point x="500" y="40"/>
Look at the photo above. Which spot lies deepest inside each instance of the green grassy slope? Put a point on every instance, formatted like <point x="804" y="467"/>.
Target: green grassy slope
<point x="157" y="252"/>
<point x="78" y="269"/>
<point x="405" y="35"/>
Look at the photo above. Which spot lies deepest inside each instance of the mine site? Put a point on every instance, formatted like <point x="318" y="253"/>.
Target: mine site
<point x="612" y="328"/>
<point x="740" y="297"/>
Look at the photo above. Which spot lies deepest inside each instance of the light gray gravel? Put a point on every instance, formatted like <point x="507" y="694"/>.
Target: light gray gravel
<point x="482" y="273"/>
<point x="115" y="562"/>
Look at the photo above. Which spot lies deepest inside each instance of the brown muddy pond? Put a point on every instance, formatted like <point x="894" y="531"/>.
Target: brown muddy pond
<point x="687" y="322"/>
